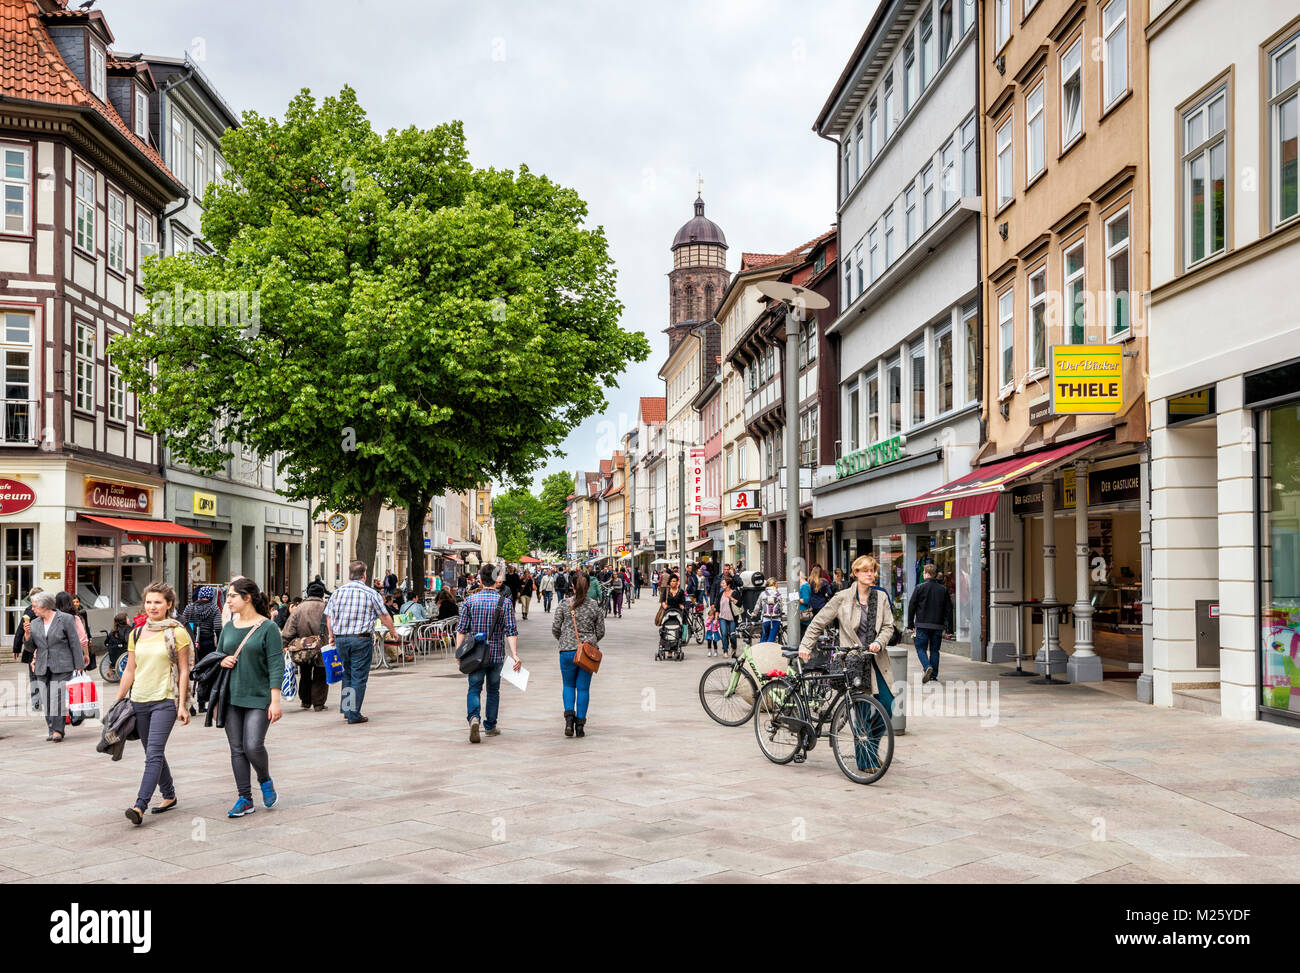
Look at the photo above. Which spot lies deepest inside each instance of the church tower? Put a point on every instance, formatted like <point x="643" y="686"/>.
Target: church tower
<point x="699" y="275"/>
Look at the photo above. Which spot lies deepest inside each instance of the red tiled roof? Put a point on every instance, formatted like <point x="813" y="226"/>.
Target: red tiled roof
<point x="605" y="467"/>
<point x="31" y="69"/>
<point x="748" y="261"/>
<point x="654" y="408"/>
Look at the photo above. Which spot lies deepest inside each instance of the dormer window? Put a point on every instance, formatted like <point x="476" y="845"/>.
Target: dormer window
<point x="142" y="114"/>
<point x="98" y="74"/>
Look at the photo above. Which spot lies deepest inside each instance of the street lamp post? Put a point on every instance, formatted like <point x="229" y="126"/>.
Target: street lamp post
<point x="797" y="301"/>
<point x="681" y="508"/>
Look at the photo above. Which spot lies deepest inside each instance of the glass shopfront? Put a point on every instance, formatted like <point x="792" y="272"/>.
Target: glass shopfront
<point x="948" y="550"/>
<point x="1279" y="557"/>
<point x="889" y="550"/>
<point x="112" y="572"/>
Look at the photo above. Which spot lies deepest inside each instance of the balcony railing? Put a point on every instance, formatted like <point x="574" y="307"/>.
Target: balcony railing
<point x="20" y="425"/>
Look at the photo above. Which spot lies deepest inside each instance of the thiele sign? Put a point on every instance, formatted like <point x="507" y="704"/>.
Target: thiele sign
<point x="886" y="451"/>
<point x="1087" y="379"/>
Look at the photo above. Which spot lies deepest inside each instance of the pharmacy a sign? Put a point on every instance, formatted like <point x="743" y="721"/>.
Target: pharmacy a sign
<point x="1087" y="379"/>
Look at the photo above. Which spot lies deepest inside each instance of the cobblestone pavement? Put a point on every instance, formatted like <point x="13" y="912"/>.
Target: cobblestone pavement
<point x="1071" y="784"/>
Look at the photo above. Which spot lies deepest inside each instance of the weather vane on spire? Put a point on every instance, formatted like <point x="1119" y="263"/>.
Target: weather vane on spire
<point x="700" y="189"/>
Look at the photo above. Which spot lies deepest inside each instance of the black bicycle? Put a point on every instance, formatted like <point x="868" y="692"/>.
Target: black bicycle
<point x="791" y="712"/>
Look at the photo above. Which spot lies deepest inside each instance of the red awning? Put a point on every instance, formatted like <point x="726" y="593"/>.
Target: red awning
<point x="149" y="530"/>
<point x="705" y="541"/>
<point x="529" y="560"/>
<point x="977" y="492"/>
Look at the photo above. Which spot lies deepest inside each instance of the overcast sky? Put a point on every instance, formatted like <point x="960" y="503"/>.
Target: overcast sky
<point x="626" y="103"/>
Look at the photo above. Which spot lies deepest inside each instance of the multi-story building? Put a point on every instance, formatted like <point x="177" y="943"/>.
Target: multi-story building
<point x="650" y="480"/>
<point x="254" y="530"/>
<point x="1063" y="105"/>
<point x="695" y="285"/>
<point x="904" y="114"/>
<point x="1224" y="357"/>
<point x="707" y="405"/>
<point x="84" y="190"/>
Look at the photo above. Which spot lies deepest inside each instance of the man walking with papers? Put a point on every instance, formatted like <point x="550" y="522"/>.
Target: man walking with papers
<point x="577" y="681"/>
<point x="491" y="613"/>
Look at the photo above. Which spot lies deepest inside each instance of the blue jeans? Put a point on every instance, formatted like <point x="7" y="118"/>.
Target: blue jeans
<point x="546" y="599"/>
<point x="928" y="641"/>
<point x="577" y="685"/>
<point x="154" y="722"/>
<point x="771" y="630"/>
<point x="492" y="675"/>
<point x="727" y="627"/>
<point x="355" y="652"/>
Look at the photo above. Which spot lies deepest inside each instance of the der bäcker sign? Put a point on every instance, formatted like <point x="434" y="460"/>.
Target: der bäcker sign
<point x="1087" y="379"/>
<point x="877" y="454"/>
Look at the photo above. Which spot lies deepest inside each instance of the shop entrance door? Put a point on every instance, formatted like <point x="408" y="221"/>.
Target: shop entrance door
<point x="18" y="563"/>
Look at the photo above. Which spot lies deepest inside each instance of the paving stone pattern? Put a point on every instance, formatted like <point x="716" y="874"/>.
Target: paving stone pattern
<point x="1070" y="784"/>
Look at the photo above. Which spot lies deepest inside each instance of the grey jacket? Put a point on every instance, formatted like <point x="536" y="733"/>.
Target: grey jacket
<point x="591" y="624"/>
<point x="56" y="648"/>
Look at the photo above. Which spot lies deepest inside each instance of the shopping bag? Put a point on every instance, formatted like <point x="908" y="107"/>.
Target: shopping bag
<point x="83" y="698"/>
<point x="329" y="657"/>
<point x="289" y="684"/>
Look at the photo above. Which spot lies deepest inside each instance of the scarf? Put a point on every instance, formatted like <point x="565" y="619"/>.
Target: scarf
<point x="168" y="627"/>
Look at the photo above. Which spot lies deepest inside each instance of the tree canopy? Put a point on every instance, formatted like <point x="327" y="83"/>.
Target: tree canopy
<point x="525" y="522"/>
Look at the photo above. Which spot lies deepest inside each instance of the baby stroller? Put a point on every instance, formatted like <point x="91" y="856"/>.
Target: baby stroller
<point x="670" y="637"/>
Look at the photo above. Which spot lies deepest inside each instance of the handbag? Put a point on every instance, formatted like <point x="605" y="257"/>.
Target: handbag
<point x="473" y="652"/>
<point x="659" y="615"/>
<point x="806" y="615"/>
<point x="289" y="684"/>
<point x="83" y="697"/>
<point x="329" y="658"/>
<point x="587" y="656"/>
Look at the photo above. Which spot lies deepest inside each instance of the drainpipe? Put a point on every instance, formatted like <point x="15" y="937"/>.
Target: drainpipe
<point x="164" y="142"/>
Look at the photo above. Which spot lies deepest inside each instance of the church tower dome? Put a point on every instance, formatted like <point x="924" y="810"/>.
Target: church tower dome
<point x="699" y="275"/>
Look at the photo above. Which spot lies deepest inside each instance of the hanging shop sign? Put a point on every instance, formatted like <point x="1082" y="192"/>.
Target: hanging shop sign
<point x="878" y="454"/>
<point x="1119" y="485"/>
<point x="695" y="470"/>
<point x="70" y="572"/>
<point x="15" y="497"/>
<point x="744" y="500"/>
<point x="1087" y="379"/>
<point x="118" y="496"/>
<point x="205" y="504"/>
<point x="751" y="525"/>
<point x="1040" y="411"/>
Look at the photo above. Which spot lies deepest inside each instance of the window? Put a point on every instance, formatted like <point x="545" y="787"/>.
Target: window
<point x="889" y="236"/>
<point x="969" y="323"/>
<point x="909" y="75"/>
<point x="889" y="104"/>
<point x="948" y="175"/>
<point x="1006" y="183"/>
<point x="916" y="366"/>
<point x="731" y="467"/>
<point x="969" y="173"/>
<point x="848" y="280"/>
<point x="1284" y="114"/>
<point x="97" y="75"/>
<point x="1205" y="159"/>
<point x="1114" y="32"/>
<point x="1072" y="93"/>
<point x="945" y="31"/>
<point x="943" y="375"/>
<point x="85" y="209"/>
<point x="1117" y="273"/>
<point x="1034" y="146"/>
<point x="1029" y="6"/>
<point x="812" y="341"/>
<point x="966" y="15"/>
<point x="927" y="49"/>
<point x="894" y="382"/>
<point x="1006" y="338"/>
<point x="927" y="197"/>
<point x="1038" y="319"/>
<point x="857" y="158"/>
<point x="176" y="157"/>
<point x="1001" y="24"/>
<point x="873" y="252"/>
<point x="85" y="375"/>
<point x="116" y="392"/>
<point x="848" y="166"/>
<point x="873" y="409"/>
<point x="808" y="437"/>
<point x="742" y="452"/>
<point x="909" y="217"/>
<point x="116" y="232"/>
<point x="874" y="133"/>
<point x="17" y="182"/>
<point x="862" y="270"/>
<point x="1075" y="295"/>
<point x="15" y="362"/>
<point x="142" y="115"/>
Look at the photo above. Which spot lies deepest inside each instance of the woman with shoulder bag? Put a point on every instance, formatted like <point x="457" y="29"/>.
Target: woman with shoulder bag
<point x="253" y="648"/>
<point x="157" y="680"/>
<point x="576" y="619"/>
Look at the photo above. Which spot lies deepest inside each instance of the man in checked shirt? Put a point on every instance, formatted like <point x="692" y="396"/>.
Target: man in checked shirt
<point x="491" y="611"/>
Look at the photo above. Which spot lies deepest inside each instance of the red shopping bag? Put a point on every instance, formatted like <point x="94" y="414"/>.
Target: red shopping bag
<point x="83" y="697"/>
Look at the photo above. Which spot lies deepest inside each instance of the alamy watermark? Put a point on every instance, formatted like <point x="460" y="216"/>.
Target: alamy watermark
<point x="240" y="309"/>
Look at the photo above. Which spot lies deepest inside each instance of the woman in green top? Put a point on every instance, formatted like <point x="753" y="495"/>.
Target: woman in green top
<point x="252" y="647"/>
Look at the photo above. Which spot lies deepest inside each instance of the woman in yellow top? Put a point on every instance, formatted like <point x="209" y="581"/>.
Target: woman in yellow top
<point x="159" y="656"/>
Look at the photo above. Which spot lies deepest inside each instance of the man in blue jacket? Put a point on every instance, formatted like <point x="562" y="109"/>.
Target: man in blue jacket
<point x="930" y="613"/>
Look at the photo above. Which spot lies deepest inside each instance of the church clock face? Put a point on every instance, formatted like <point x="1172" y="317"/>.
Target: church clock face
<point x="338" y="523"/>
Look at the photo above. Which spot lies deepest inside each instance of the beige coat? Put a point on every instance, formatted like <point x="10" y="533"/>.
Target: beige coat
<point x="844" y="607"/>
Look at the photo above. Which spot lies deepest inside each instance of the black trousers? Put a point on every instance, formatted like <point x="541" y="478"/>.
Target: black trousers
<point x="312" y="687"/>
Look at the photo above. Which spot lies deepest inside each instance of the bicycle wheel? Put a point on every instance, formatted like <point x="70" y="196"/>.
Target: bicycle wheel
<point x="862" y="738"/>
<point x="107" y="669"/>
<point x="728" y="693"/>
<point x="778" y="699"/>
<point x="697" y="628"/>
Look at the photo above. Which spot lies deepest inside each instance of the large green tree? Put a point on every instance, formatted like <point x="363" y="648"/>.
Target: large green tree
<point x="413" y="324"/>
<point x="525" y="522"/>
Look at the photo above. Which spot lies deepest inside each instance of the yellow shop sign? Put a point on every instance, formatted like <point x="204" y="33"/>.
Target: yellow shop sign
<point x="1087" y="379"/>
<point x="205" y="504"/>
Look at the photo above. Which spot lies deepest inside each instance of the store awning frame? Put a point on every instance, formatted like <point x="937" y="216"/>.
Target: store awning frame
<point x="978" y="491"/>
<point x="167" y="531"/>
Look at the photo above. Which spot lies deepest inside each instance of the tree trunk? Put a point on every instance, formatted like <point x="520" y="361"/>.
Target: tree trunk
<point x="416" y="508"/>
<point x="367" y="534"/>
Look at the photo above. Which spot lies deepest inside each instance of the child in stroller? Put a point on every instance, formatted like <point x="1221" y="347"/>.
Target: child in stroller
<point x="672" y="636"/>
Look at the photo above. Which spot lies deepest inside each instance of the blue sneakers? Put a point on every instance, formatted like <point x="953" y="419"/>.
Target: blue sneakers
<point x="268" y="792"/>
<point x="242" y="806"/>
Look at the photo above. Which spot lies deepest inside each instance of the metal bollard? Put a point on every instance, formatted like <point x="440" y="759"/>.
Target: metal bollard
<point x="898" y="663"/>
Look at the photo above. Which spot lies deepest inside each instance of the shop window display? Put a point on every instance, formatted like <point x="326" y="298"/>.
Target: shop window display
<point x="1279" y="506"/>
